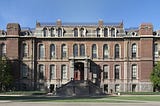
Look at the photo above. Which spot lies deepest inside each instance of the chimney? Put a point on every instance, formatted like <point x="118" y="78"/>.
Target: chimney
<point x="100" y="23"/>
<point x="146" y="29"/>
<point x="59" y="23"/>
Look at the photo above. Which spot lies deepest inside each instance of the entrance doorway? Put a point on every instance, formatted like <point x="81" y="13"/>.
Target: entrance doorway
<point x="79" y="71"/>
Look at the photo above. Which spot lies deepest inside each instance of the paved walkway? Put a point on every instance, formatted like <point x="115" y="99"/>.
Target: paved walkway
<point x="7" y="103"/>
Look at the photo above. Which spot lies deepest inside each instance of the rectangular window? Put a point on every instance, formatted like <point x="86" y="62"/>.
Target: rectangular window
<point x="64" y="72"/>
<point x="24" y="71"/>
<point x="41" y="72"/>
<point x="52" y="72"/>
<point x="156" y="50"/>
<point x="117" y="88"/>
<point x="105" y="73"/>
<point x="117" y="69"/>
<point x="134" y="71"/>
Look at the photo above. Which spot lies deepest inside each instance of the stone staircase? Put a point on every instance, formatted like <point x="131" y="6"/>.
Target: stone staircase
<point x="79" y="88"/>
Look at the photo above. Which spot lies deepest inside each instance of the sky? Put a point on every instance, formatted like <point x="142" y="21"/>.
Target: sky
<point x="131" y="12"/>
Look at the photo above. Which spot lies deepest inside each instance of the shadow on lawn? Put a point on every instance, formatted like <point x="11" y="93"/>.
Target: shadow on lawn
<point x="49" y="98"/>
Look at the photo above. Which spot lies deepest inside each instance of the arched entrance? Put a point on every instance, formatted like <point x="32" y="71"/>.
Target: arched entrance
<point x="79" y="71"/>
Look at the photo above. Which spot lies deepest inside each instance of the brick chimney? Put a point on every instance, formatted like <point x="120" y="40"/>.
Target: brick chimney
<point x="59" y="23"/>
<point x="100" y="23"/>
<point x="13" y="29"/>
<point x="146" y="29"/>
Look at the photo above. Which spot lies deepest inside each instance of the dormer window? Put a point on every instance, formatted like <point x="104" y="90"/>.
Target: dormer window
<point x="105" y="32"/>
<point x="113" y="32"/>
<point x="52" y="32"/>
<point x="75" y="32"/>
<point x="98" y="32"/>
<point x="82" y="33"/>
<point x="59" y="32"/>
<point x="45" y="32"/>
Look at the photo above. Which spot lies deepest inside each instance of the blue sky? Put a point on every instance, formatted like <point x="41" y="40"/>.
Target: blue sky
<point x="131" y="12"/>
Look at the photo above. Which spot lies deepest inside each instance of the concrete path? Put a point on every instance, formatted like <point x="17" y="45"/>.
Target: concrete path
<point x="9" y="103"/>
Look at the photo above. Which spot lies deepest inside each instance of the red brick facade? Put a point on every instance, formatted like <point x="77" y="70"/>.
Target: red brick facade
<point x="128" y="66"/>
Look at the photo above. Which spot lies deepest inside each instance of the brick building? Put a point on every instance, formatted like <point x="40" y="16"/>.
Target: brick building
<point x="53" y="54"/>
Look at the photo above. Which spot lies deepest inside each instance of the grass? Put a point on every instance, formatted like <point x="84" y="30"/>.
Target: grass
<point x="107" y="99"/>
<point x="23" y="93"/>
<point x="140" y="93"/>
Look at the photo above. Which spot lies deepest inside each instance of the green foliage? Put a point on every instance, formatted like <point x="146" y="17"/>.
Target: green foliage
<point x="5" y="74"/>
<point x="155" y="77"/>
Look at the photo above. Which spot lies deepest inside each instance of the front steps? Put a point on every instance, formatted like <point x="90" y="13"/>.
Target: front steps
<point x="79" y="88"/>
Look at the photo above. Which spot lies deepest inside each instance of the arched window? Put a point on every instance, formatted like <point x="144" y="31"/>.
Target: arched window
<point x="25" y="50"/>
<point x="113" y="32"/>
<point x="134" y="71"/>
<point x="59" y="32"/>
<point x="134" y="50"/>
<point x="45" y="32"/>
<point x="117" y="51"/>
<point x="63" y="72"/>
<point x="82" y="50"/>
<point x="52" y="51"/>
<point x="75" y="32"/>
<point x="105" y="32"/>
<point x="64" y="51"/>
<point x="117" y="72"/>
<point x="75" y="50"/>
<point x="3" y="49"/>
<point x="105" y="71"/>
<point x="105" y="51"/>
<point x="94" y="51"/>
<point x="52" y="32"/>
<point x="41" y="71"/>
<point x="41" y="51"/>
<point x="98" y="32"/>
<point x="52" y="72"/>
<point x="82" y="33"/>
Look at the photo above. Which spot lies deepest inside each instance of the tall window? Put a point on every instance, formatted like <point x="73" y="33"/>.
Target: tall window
<point x="156" y="50"/>
<point x="64" y="72"/>
<point x="105" y="32"/>
<point x="52" y="32"/>
<point x="45" y="32"/>
<point x="52" y="51"/>
<point x="134" y="71"/>
<point x="64" y="51"/>
<point x="82" y="50"/>
<point x="82" y="33"/>
<point x="24" y="71"/>
<point x="105" y="71"/>
<point x="117" y="88"/>
<point x="117" y="72"/>
<point x="94" y="51"/>
<point x="105" y="51"/>
<point x="134" y="50"/>
<point x="59" y="32"/>
<point x="3" y="49"/>
<point x="75" y="32"/>
<point x="113" y="32"/>
<point x="41" y="51"/>
<point x="41" y="71"/>
<point x="98" y="32"/>
<point x="75" y="50"/>
<point x="52" y="72"/>
<point x="25" y="50"/>
<point x="116" y="51"/>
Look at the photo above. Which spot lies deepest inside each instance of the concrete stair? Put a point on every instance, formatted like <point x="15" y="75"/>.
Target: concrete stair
<point x="79" y="88"/>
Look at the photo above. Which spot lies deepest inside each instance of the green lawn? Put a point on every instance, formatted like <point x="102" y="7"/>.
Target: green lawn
<point x="109" y="99"/>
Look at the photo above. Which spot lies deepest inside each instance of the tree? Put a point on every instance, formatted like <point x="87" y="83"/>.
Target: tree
<point x="155" y="77"/>
<point x="6" y="77"/>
